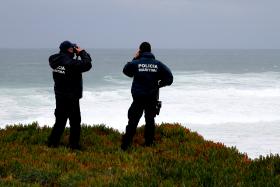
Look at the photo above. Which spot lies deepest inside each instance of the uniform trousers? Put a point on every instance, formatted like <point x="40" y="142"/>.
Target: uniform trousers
<point x="135" y="112"/>
<point x="66" y="108"/>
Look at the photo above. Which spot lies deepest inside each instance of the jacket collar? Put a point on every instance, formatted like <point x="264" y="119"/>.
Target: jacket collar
<point x="147" y="55"/>
<point x="71" y="55"/>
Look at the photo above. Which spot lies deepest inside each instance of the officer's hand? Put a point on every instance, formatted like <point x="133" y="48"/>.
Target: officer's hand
<point x="78" y="49"/>
<point x="137" y="54"/>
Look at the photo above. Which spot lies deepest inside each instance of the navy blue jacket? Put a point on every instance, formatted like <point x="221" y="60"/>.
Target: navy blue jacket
<point x="67" y="73"/>
<point x="148" y="75"/>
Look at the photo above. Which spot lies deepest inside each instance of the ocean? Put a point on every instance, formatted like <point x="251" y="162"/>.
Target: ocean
<point x="229" y="96"/>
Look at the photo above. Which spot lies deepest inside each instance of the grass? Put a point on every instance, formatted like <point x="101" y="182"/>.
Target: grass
<point x="179" y="158"/>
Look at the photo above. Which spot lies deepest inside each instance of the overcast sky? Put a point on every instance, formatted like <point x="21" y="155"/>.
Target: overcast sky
<point x="126" y="23"/>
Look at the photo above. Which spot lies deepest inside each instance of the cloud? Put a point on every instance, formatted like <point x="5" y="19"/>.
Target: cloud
<point x="123" y="23"/>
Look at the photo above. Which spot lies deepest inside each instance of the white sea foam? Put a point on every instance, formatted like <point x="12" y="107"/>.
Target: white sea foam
<point x="25" y="105"/>
<point x="240" y="110"/>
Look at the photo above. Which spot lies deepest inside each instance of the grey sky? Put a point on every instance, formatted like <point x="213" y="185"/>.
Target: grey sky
<point x="126" y="23"/>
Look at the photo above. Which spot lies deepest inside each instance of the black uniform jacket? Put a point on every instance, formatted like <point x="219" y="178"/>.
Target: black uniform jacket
<point x="67" y="73"/>
<point x="148" y="75"/>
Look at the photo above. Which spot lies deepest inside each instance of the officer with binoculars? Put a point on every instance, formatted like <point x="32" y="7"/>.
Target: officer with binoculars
<point x="68" y="88"/>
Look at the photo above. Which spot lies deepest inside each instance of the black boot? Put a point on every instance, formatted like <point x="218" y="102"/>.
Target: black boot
<point x="126" y="142"/>
<point x="75" y="147"/>
<point x="52" y="145"/>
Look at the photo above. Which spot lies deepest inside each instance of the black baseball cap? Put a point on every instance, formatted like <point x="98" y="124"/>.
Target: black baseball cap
<point x="66" y="45"/>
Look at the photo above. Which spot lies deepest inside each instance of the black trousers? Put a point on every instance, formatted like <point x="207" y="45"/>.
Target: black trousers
<point x="66" y="108"/>
<point x="135" y="112"/>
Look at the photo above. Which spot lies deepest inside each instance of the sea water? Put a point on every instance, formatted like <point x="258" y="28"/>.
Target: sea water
<point x="229" y="96"/>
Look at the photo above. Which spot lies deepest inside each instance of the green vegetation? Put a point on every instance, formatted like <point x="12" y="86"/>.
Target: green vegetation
<point x="179" y="158"/>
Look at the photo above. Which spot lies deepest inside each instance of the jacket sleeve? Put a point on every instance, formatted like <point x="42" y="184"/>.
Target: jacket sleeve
<point x="129" y="69"/>
<point x="166" y="77"/>
<point x="84" y="64"/>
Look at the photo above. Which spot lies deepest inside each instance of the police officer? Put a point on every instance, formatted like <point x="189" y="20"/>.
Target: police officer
<point x="148" y="75"/>
<point x="68" y="88"/>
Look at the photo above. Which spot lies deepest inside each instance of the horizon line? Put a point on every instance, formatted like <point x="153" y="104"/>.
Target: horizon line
<point x="124" y="48"/>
